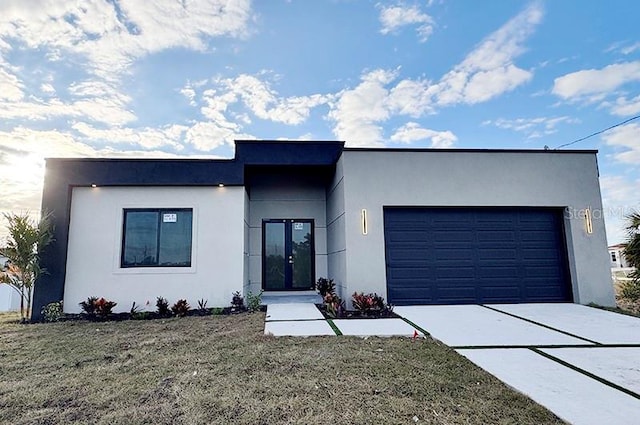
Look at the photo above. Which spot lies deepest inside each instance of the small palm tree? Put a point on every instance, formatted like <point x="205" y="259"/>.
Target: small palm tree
<point x="631" y="289"/>
<point x="25" y="242"/>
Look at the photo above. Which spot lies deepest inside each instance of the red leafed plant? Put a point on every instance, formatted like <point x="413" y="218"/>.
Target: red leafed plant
<point x="367" y="302"/>
<point x="97" y="307"/>
<point x="334" y="305"/>
<point x="103" y="307"/>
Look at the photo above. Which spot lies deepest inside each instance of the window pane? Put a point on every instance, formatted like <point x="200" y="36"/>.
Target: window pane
<point x="301" y="252"/>
<point x="141" y="238"/>
<point x="175" y="238"/>
<point x="274" y="256"/>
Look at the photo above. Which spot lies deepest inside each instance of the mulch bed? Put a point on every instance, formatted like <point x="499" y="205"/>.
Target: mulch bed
<point x="152" y="315"/>
<point x="356" y="314"/>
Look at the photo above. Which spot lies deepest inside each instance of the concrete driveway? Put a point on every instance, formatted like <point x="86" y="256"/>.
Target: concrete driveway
<point x="579" y="362"/>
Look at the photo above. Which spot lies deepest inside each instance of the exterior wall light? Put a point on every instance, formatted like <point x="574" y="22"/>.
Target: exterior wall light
<point x="587" y="221"/>
<point x="363" y="221"/>
<point x="220" y="184"/>
<point x="94" y="185"/>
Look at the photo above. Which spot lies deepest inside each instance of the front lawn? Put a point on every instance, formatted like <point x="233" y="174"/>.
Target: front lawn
<point x="222" y="369"/>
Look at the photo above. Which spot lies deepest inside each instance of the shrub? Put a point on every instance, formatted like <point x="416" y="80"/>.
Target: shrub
<point x="216" y="311"/>
<point x="254" y="301"/>
<point x="162" y="307"/>
<point x="103" y="307"/>
<point x="334" y="305"/>
<point x="135" y="309"/>
<point x="89" y="306"/>
<point x="630" y="289"/>
<point x="325" y="287"/>
<point x="367" y="302"/>
<point x="237" y="301"/>
<point x="202" y="307"/>
<point x="52" y="312"/>
<point x="180" y="308"/>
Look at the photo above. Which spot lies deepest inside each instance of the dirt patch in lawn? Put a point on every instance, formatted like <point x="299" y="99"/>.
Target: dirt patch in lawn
<point x="222" y="369"/>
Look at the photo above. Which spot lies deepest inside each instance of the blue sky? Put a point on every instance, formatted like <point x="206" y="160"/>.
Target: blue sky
<point x="166" y="78"/>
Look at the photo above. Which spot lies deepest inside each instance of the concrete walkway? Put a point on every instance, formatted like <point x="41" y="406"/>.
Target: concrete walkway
<point x="579" y="362"/>
<point x="303" y="319"/>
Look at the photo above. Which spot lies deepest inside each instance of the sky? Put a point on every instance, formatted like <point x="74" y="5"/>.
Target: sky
<point x="185" y="78"/>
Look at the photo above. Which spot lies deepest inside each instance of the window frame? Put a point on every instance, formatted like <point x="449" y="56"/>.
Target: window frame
<point x="160" y="212"/>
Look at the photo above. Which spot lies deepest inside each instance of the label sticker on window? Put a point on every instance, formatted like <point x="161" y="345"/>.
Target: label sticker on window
<point x="298" y="226"/>
<point x="169" y="218"/>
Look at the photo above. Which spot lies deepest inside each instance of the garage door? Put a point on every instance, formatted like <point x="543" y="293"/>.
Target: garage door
<point x="475" y="256"/>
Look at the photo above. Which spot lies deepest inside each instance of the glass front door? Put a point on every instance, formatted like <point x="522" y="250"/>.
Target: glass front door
<point x="287" y="255"/>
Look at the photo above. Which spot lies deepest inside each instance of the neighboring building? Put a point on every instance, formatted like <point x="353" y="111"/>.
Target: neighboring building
<point x="617" y="259"/>
<point x="419" y="226"/>
<point x="9" y="297"/>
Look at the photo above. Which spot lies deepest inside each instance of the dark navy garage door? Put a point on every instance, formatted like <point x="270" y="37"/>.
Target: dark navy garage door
<point x="475" y="255"/>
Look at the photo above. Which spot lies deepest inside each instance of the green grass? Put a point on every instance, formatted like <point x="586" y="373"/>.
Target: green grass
<point x="619" y="310"/>
<point x="222" y="369"/>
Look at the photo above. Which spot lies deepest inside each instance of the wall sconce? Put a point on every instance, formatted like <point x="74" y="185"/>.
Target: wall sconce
<point x="363" y="221"/>
<point x="587" y="221"/>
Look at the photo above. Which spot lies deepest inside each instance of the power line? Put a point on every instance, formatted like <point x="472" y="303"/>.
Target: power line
<point x="599" y="132"/>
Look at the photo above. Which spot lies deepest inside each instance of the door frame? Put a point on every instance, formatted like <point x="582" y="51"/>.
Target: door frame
<point x="288" y="242"/>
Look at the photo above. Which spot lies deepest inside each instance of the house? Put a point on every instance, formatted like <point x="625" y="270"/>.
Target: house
<point x="9" y="297"/>
<point x="418" y="226"/>
<point x="617" y="258"/>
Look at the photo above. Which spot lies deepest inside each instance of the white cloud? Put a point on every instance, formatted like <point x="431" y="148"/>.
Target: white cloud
<point x="595" y="83"/>
<point x="357" y="111"/>
<point x="147" y="138"/>
<point x="623" y="47"/>
<point x="626" y="139"/>
<point x="206" y="136"/>
<point x="396" y="17"/>
<point x="412" y="132"/>
<point x="112" y="35"/>
<point x="488" y="70"/>
<point x="625" y="107"/>
<point x="412" y="97"/>
<point x="533" y="127"/>
<point x="188" y="92"/>
<point x="108" y="110"/>
<point x="261" y="99"/>
<point x="10" y="87"/>
<point x="630" y="49"/>
<point x="47" y="88"/>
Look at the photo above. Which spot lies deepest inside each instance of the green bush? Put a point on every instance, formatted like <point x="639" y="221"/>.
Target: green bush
<point x="181" y="308"/>
<point x="52" y="312"/>
<point x="254" y="301"/>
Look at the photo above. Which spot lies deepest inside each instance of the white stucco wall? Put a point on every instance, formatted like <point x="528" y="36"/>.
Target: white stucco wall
<point x="336" y="244"/>
<point x="374" y="179"/>
<point x="95" y="236"/>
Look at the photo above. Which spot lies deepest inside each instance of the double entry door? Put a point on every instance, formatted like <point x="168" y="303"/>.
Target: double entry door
<point x="287" y="255"/>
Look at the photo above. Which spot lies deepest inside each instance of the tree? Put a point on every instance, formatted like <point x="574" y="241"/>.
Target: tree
<point x="26" y="240"/>
<point x="631" y="289"/>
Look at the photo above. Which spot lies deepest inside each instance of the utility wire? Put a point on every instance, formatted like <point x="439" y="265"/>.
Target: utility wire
<point x="599" y="132"/>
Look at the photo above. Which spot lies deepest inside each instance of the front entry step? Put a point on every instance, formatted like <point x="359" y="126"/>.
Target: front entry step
<point x="291" y="297"/>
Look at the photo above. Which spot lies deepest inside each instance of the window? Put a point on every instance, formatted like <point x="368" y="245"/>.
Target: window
<point x="613" y="257"/>
<point x="156" y="238"/>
